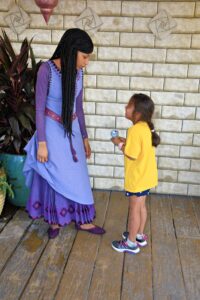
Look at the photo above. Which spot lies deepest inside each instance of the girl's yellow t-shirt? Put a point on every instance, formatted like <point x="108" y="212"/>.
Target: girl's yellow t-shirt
<point x="140" y="166"/>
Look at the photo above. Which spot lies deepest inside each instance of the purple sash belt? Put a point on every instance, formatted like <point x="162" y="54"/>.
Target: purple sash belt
<point x="55" y="117"/>
<point x="50" y="113"/>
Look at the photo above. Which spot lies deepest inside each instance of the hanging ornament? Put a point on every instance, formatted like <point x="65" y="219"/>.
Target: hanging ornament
<point x="46" y="7"/>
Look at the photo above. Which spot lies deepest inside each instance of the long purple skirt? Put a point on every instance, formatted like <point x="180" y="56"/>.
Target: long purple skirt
<point x="45" y="202"/>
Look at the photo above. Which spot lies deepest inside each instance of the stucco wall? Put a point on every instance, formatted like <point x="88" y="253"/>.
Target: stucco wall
<point x="127" y="59"/>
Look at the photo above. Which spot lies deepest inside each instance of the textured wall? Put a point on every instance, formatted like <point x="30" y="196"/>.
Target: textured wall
<point x="128" y="58"/>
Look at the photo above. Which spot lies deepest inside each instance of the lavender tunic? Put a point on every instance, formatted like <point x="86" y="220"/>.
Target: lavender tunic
<point x="60" y="188"/>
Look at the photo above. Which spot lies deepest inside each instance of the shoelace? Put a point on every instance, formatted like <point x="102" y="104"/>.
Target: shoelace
<point x="145" y="237"/>
<point x="123" y="243"/>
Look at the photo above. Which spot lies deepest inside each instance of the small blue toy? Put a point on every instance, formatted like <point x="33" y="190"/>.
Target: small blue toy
<point x="114" y="133"/>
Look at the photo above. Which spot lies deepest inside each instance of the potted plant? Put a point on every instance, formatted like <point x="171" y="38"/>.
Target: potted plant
<point x="4" y="188"/>
<point x="17" y="111"/>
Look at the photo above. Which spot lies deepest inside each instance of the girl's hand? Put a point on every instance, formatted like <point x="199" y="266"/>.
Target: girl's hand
<point x="123" y="140"/>
<point x="116" y="140"/>
<point x="42" y="153"/>
<point x="87" y="147"/>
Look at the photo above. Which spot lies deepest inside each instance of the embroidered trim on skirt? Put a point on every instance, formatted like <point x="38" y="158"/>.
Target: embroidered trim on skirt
<point x="45" y="202"/>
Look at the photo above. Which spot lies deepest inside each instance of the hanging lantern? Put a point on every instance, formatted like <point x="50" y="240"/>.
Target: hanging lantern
<point x="46" y="7"/>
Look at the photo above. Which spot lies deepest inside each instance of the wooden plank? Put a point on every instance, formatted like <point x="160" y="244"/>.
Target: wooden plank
<point x="167" y="276"/>
<point x="22" y="263"/>
<point x="7" y="214"/>
<point x="185" y="221"/>
<point x="46" y="276"/>
<point x="190" y="257"/>
<point x="77" y="275"/>
<point x="12" y="234"/>
<point x="196" y="206"/>
<point x="161" y="214"/>
<point x="107" y="276"/>
<point x="137" y="279"/>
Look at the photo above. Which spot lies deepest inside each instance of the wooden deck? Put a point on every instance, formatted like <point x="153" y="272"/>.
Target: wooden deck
<point x="83" y="266"/>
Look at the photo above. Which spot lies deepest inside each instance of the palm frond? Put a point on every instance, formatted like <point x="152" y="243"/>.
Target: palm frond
<point x="8" y="45"/>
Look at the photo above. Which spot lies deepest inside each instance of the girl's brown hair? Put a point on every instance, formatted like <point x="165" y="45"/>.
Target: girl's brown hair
<point x="145" y="106"/>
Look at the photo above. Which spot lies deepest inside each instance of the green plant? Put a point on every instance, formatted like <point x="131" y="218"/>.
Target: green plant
<point x="17" y="112"/>
<point x="4" y="186"/>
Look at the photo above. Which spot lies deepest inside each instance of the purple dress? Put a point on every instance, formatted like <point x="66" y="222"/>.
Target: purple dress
<point x="60" y="189"/>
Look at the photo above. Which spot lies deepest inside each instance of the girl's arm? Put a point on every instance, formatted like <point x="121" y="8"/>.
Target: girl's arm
<point x="123" y="150"/>
<point x="118" y="140"/>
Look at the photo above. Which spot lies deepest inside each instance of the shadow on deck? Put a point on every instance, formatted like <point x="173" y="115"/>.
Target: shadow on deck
<point x="80" y="266"/>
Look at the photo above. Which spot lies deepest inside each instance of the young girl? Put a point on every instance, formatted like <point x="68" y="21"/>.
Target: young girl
<point x="55" y="168"/>
<point x="140" y="169"/>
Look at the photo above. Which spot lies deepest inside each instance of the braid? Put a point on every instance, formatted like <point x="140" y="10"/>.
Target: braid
<point x="72" y="41"/>
<point x="68" y="80"/>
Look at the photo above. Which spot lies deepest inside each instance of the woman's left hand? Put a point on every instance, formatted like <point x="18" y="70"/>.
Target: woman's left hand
<point x="87" y="147"/>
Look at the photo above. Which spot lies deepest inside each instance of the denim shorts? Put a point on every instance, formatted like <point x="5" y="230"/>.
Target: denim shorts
<point x="139" y="194"/>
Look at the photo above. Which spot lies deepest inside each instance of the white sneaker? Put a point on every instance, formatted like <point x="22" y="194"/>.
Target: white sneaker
<point x="142" y="242"/>
<point x="122" y="246"/>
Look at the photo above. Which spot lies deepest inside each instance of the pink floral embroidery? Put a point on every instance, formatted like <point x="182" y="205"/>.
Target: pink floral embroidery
<point x="37" y="205"/>
<point x="63" y="212"/>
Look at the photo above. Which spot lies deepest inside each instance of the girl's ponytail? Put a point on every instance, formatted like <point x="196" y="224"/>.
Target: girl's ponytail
<point x="155" y="136"/>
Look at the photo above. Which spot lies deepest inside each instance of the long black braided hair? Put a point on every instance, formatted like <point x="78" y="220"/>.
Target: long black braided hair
<point x="72" y="41"/>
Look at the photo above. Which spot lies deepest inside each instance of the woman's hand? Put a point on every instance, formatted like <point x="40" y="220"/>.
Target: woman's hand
<point x="87" y="147"/>
<point x="42" y="153"/>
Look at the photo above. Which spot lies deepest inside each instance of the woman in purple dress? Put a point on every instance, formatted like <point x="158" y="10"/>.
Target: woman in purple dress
<point x="55" y="168"/>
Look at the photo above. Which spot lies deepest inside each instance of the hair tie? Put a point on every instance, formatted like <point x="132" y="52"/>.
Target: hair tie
<point x="153" y="130"/>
